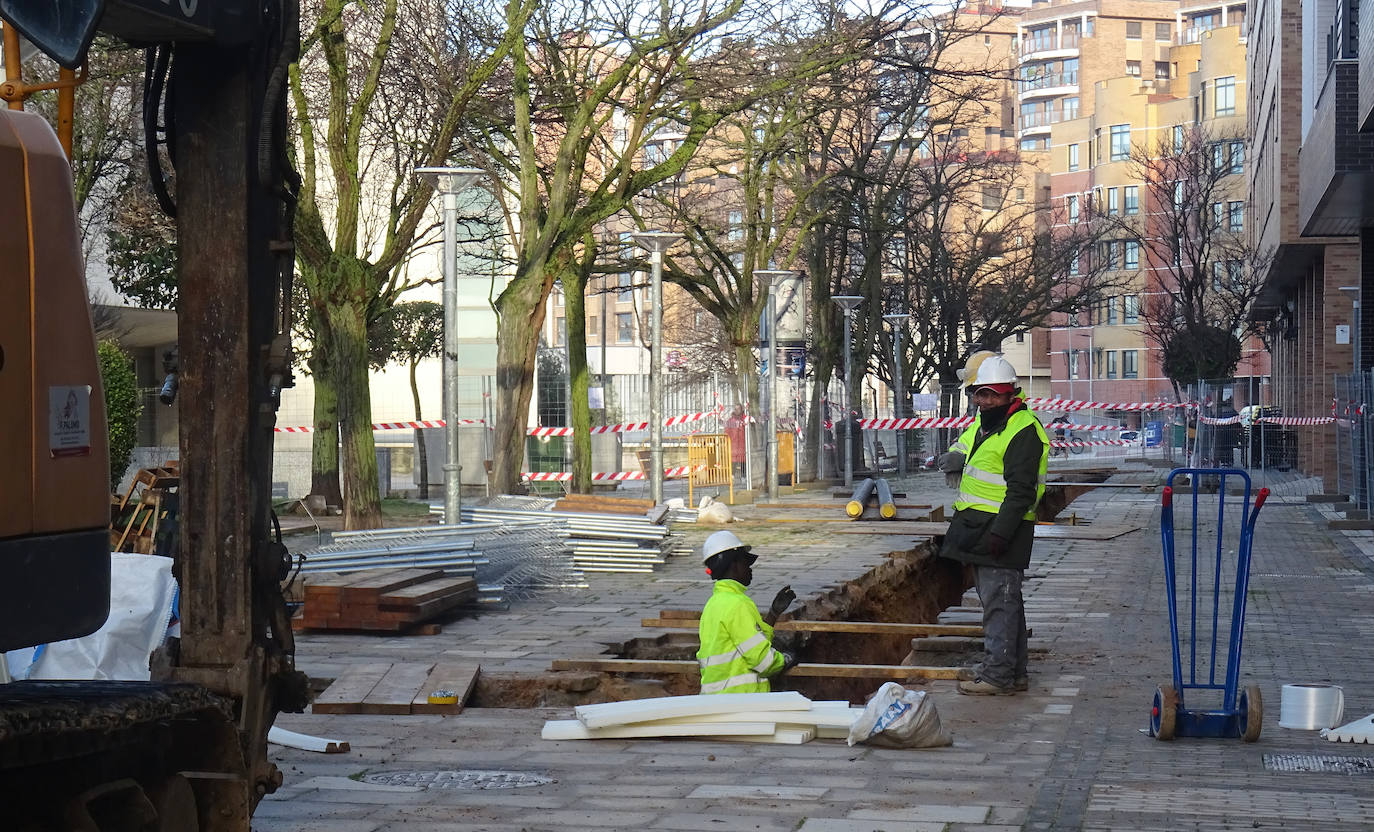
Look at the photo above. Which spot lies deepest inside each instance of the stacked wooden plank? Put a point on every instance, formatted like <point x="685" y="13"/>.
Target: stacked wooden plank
<point x="387" y="600"/>
<point x="399" y="688"/>
<point x="786" y="717"/>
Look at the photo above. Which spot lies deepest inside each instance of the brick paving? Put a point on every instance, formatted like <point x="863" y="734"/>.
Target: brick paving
<point x="1069" y="754"/>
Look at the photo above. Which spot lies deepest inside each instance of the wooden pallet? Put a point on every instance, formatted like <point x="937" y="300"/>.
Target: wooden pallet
<point x="388" y="600"/>
<point x="398" y="689"/>
<point x="893" y="672"/>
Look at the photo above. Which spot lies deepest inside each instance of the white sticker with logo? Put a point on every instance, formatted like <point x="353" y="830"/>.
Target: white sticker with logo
<point x="69" y="421"/>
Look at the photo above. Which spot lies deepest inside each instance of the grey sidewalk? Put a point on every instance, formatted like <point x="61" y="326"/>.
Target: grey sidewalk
<point x="1067" y="755"/>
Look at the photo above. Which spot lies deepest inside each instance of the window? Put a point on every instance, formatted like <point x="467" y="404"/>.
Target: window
<point x="1237" y="154"/>
<point x="1021" y="194"/>
<point x="1111" y="363"/>
<point x="1218" y="214"/>
<point x="1111" y="255"/>
<point x="1073" y="266"/>
<point x="1219" y="162"/>
<point x="1020" y="337"/>
<point x="1068" y="108"/>
<point x="1133" y="29"/>
<point x="1130" y="313"/>
<point x="1091" y="24"/>
<point x="1035" y="144"/>
<point x="591" y="325"/>
<point x="1162" y="70"/>
<point x="624" y="327"/>
<point x="1178" y="137"/>
<point x="1224" y="95"/>
<point x="698" y="318"/>
<point x="1073" y="157"/>
<point x="562" y="332"/>
<point x="1235" y="272"/>
<point x="1235" y="216"/>
<point x="1111" y="310"/>
<point x="1131" y="200"/>
<point x="1071" y="356"/>
<point x="1113" y="206"/>
<point x="992" y="197"/>
<point x="1163" y="31"/>
<point x="736" y="226"/>
<point x="1132" y="254"/>
<point x="624" y="280"/>
<point x="1071" y="207"/>
<point x="1129" y="366"/>
<point x="1133" y="69"/>
<point x="1178" y="195"/>
<point x="558" y="296"/>
<point x="1121" y="142"/>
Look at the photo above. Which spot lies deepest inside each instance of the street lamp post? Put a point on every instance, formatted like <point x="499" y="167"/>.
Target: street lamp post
<point x="656" y="242"/>
<point x="898" y="321"/>
<point x="449" y="182"/>
<point x="847" y="303"/>
<point x="774" y="277"/>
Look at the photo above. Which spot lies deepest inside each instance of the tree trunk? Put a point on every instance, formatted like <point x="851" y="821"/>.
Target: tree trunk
<point x="579" y="380"/>
<point x="348" y="360"/>
<point x="421" y="450"/>
<point x="324" y="442"/>
<point x="520" y="310"/>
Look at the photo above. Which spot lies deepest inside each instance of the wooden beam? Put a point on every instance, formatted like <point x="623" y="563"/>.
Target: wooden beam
<point x="862" y="627"/>
<point x="894" y="672"/>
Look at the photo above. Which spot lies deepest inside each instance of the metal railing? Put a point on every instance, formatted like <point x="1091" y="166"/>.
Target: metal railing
<point x="1045" y="42"/>
<point x="1049" y="79"/>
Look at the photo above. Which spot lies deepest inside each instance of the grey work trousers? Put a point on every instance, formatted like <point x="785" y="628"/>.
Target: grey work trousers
<point x="1004" y="624"/>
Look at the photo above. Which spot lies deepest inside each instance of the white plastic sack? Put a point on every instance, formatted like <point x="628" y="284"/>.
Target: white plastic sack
<point x="716" y="513"/>
<point x="896" y="717"/>
<point x="142" y="591"/>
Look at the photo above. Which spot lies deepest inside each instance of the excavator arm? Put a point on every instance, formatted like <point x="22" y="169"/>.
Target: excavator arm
<point x="216" y="99"/>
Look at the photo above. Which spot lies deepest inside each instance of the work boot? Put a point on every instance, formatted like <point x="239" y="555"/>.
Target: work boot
<point x="970" y="674"/>
<point x="1021" y="683"/>
<point x="980" y="687"/>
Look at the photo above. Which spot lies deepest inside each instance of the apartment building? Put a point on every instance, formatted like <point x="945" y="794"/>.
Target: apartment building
<point x="1312" y="146"/>
<point x="1063" y="48"/>
<point x="1192" y="92"/>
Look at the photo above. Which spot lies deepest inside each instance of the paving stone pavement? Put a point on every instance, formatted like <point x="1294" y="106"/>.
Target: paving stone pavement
<point x="1069" y="754"/>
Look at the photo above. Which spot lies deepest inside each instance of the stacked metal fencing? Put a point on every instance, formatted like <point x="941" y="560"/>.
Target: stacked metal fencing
<point x="1354" y="436"/>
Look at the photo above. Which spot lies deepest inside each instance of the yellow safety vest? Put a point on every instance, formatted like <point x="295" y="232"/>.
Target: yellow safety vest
<point x="982" y="486"/>
<point x="736" y="645"/>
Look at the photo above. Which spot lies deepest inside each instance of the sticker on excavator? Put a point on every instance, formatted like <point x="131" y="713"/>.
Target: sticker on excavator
<point x="69" y="421"/>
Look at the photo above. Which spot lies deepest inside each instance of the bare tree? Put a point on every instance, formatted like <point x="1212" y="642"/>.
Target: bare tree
<point x="381" y="89"/>
<point x="1203" y="272"/>
<point x="590" y="86"/>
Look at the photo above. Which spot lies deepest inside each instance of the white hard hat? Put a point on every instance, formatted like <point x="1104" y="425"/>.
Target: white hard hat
<point x="721" y="541"/>
<point x="987" y="367"/>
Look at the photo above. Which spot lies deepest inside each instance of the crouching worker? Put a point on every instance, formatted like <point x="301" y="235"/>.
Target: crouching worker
<point x="737" y="653"/>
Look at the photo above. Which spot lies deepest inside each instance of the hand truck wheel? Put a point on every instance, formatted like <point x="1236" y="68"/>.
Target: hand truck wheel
<point x="1164" y="713"/>
<point x="1251" y="713"/>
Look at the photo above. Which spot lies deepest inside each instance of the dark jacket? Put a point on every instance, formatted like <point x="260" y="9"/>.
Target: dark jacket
<point x="965" y="540"/>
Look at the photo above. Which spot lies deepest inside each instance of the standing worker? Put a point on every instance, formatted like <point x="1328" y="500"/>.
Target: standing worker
<point x="1002" y="458"/>
<point x="735" y="426"/>
<point x="737" y="654"/>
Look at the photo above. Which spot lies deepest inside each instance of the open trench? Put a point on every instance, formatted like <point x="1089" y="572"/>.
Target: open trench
<point x="910" y="586"/>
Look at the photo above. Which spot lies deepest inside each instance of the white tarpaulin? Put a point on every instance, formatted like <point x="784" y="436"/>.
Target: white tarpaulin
<point x="142" y="592"/>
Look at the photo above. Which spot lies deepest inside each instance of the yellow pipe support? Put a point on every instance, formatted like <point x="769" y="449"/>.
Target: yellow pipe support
<point x="854" y="509"/>
<point x="887" y="507"/>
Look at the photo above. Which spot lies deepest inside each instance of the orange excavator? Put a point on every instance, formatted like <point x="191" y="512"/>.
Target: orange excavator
<point x="187" y="750"/>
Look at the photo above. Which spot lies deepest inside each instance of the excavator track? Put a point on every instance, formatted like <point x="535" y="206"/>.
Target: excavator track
<point x="76" y="743"/>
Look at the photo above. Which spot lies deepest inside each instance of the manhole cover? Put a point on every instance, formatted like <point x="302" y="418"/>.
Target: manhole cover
<point x="465" y="779"/>
<point x="1318" y="763"/>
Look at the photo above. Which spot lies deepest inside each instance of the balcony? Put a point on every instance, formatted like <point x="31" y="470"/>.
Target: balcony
<point x="1038" y="43"/>
<point x="1193" y="34"/>
<point x="1336" y="162"/>
<point x="1051" y="83"/>
<point x="1040" y="121"/>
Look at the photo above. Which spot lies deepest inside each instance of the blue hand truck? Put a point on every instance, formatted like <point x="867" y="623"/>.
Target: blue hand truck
<point x="1241" y="711"/>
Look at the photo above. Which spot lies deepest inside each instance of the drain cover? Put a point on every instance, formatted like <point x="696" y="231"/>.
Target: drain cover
<point x="463" y="779"/>
<point x="1319" y="763"/>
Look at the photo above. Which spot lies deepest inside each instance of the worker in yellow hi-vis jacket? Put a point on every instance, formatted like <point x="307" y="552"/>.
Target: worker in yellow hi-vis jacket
<point x="737" y="653"/>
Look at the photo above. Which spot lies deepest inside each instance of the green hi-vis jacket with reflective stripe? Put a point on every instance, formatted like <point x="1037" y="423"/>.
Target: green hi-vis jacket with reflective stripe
<point x="736" y="652"/>
<point x="984" y="483"/>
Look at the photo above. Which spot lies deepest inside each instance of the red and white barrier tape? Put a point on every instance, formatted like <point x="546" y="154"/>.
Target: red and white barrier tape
<point x="538" y="431"/>
<point x="1075" y="404"/>
<point x="428" y="423"/>
<point x="1073" y="443"/>
<point x="610" y="476"/>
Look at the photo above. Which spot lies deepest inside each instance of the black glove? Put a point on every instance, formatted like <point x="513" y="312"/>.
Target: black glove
<point x="995" y="545"/>
<point x="789" y="661"/>
<point x="782" y="601"/>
